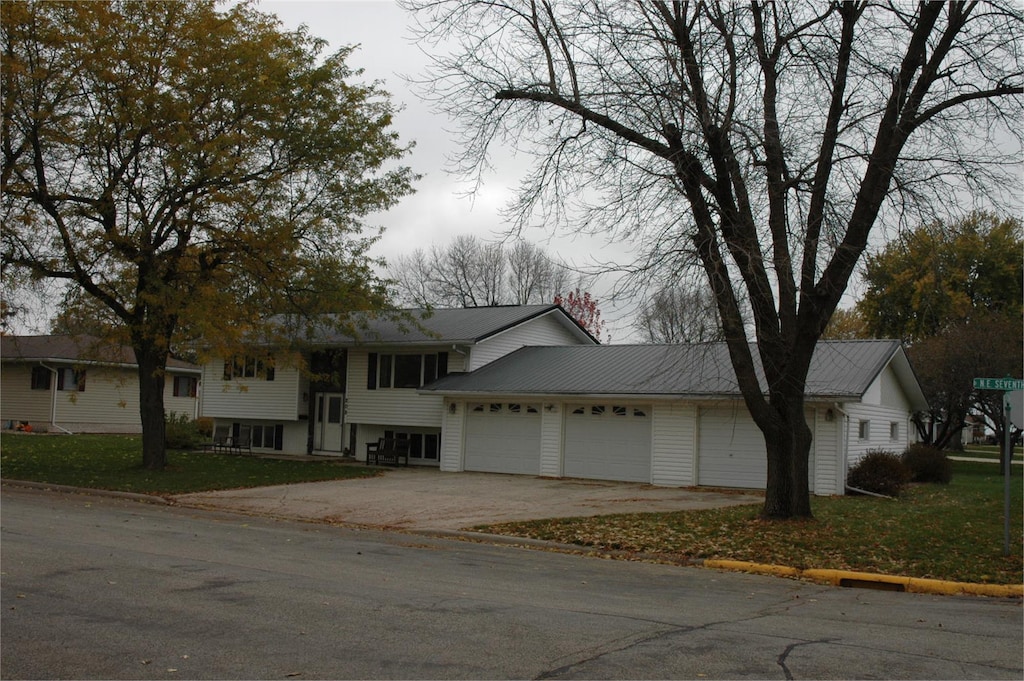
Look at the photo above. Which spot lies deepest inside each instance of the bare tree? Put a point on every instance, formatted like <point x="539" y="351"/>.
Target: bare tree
<point x="471" y="273"/>
<point x="762" y="141"/>
<point x="679" y="314"/>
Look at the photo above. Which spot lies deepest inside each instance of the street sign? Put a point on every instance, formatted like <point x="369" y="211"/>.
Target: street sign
<point x="1004" y="384"/>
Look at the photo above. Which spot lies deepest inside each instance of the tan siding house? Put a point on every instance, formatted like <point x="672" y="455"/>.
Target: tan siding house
<point x="80" y="385"/>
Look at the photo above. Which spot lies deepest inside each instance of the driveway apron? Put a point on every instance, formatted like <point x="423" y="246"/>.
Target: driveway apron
<point x="427" y="499"/>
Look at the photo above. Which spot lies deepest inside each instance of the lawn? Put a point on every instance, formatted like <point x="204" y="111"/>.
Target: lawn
<point x="952" y="532"/>
<point x="114" y="462"/>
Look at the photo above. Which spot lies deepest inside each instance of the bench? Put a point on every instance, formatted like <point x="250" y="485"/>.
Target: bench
<point x="388" y="451"/>
<point x="225" y="443"/>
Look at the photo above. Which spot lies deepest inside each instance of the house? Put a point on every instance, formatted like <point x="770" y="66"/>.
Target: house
<point x="80" y="384"/>
<point x="666" y="415"/>
<point x="349" y="391"/>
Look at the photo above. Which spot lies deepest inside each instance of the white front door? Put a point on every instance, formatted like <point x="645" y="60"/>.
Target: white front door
<point x="327" y="434"/>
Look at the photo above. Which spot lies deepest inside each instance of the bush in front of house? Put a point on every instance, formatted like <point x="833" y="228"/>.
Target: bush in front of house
<point x="881" y="472"/>
<point x="928" y="464"/>
<point x="182" y="432"/>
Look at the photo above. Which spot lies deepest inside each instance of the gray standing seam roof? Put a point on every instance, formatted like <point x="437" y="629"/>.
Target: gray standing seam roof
<point x="838" y="369"/>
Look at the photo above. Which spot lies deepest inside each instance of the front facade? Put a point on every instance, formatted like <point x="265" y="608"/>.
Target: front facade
<point x="350" y="392"/>
<point x="80" y="385"/>
<point x="666" y="415"/>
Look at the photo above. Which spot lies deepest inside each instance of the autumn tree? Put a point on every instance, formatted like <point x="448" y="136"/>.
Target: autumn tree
<point x="582" y="307"/>
<point x="760" y="142"/>
<point x="468" y="272"/>
<point x="943" y="273"/>
<point x="189" y="172"/>
<point x="954" y="292"/>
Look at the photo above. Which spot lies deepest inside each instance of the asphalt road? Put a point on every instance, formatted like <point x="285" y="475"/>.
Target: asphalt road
<point x="107" y="588"/>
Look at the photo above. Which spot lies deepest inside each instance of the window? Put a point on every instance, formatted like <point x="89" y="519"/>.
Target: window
<point x="639" y="413"/>
<point x="243" y="366"/>
<point x="894" y="431"/>
<point x="263" y="436"/>
<point x="422" y="446"/>
<point x="71" y="380"/>
<point x="495" y="407"/>
<point x="597" y="410"/>
<point x="619" y="411"/>
<point x="405" y="370"/>
<point x="40" y="378"/>
<point x="515" y="408"/>
<point x="864" y="430"/>
<point x="185" y="386"/>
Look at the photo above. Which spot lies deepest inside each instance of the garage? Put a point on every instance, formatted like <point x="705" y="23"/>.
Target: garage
<point x="608" y="442"/>
<point x="503" y="437"/>
<point x="732" y="451"/>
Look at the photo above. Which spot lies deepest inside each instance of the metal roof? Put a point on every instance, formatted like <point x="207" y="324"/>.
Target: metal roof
<point x="75" y="349"/>
<point x="456" y="325"/>
<point x="839" y="369"/>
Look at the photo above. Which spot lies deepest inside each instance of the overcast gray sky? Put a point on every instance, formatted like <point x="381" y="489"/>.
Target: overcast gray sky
<point x="439" y="209"/>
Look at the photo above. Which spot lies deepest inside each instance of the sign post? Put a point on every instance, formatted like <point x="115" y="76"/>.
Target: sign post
<point x="1006" y="385"/>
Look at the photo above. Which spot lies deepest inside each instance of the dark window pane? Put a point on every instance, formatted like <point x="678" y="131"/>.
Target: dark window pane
<point x="429" y="368"/>
<point x="385" y="370"/>
<point x="334" y="410"/>
<point x="407" y="371"/>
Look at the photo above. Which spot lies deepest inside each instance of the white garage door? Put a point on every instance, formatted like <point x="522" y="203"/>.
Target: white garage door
<point x="732" y="451"/>
<point x="608" y="442"/>
<point x="503" y="437"/>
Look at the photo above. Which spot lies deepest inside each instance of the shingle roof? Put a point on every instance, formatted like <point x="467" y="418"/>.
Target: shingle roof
<point x="83" y="349"/>
<point x="456" y="325"/>
<point x="838" y="369"/>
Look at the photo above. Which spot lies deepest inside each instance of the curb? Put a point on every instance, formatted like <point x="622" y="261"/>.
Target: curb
<point x="869" y="580"/>
<point x="68" y="489"/>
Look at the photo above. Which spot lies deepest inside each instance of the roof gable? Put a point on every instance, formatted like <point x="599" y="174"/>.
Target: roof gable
<point x="839" y="369"/>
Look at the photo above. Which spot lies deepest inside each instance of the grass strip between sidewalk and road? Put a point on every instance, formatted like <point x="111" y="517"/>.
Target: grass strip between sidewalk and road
<point x="114" y="462"/>
<point x="950" y="532"/>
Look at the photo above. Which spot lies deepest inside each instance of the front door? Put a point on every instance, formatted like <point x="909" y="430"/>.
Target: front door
<point x="327" y="435"/>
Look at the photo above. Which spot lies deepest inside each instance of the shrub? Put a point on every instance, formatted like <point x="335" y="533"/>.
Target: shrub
<point x="182" y="432"/>
<point x="881" y="472"/>
<point x="928" y="464"/>
<point x="205" y="426"/>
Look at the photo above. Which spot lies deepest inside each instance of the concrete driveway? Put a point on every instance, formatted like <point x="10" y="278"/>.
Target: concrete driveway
<point x="427" y="499"/>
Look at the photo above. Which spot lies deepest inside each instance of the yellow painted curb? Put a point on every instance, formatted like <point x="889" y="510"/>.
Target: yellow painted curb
<point x="869" y="579"/>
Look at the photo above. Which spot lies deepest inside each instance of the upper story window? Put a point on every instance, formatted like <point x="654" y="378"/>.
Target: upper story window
<point x="40" y="378"/>
<point x="406" y="370"/>
<point x="244" y="366"/>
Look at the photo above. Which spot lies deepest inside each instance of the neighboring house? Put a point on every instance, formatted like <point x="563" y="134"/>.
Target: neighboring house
<point x="79" y="384"/>
<point x="353" y="391"/>
<point x="666" y="414"/>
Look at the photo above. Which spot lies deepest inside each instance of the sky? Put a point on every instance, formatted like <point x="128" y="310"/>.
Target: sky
<point x="440" y="209"/>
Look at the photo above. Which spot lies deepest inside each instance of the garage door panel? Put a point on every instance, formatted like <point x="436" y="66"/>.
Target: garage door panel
<point x="608" y="445"/>
<point x="499" y="440"/>
<point x="732" y="450"/>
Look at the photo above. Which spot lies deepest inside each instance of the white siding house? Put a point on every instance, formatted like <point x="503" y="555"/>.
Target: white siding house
<point x="671" y="415"/>
<point x="82" y="385"/>
<point x="373" y="388"/>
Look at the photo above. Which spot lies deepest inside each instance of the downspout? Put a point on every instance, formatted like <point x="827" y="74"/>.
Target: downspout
<point x="843" y="435"/>
<point x="53" y="400"/>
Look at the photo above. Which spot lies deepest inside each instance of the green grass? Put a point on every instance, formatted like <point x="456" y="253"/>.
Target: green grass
<point x="114" y="462"/>
<point x="952" y="532"/>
